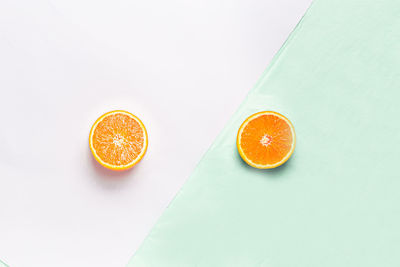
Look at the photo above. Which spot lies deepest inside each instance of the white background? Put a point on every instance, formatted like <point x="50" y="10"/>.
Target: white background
<point x="182" y="66"/>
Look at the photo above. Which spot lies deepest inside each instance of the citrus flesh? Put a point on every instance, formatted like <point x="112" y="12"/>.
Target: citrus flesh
<point x="118" y="140"/>
<point x="266" y="140"/>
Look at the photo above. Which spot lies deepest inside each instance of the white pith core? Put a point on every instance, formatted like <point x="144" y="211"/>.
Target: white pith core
<point x="118" y="140"/>
<point x="266" y="140"/>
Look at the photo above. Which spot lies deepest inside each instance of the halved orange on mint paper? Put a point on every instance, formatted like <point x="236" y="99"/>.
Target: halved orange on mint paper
<point x="118" y="140"/>
<point x="266" y="140"/>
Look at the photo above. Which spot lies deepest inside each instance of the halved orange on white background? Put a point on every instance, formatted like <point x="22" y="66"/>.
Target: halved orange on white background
<point x="118" y="140"/>
<point x="266" y="140"/>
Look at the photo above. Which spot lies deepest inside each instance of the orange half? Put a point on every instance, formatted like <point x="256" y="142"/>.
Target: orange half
<point x="266" y="140"/>
<point x="118" y="140"/>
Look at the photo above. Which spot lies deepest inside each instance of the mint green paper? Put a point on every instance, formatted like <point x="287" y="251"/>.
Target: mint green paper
<point x="336" y="202"/>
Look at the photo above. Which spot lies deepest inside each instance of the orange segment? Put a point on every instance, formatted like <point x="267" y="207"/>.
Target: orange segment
<point x="118" y="140"/>
<point x="266" y="140"/>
